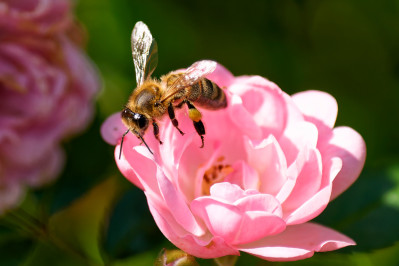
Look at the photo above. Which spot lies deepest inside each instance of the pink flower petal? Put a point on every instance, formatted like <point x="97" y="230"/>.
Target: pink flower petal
<point x="138" y="169"/>
<point x="227" y="192"/>
<point x="112" y="129"/>
<point x="296" y="137"/>
<point x="297" y="242"/>
<point x="243" y="118"/>
<point x="309" y="177"/>
<point x="243" y="175"/>
<point x="318" y="107"/>
<point x="215" y="214"/>
<point x="349" y="146"/>
<point x="257" y="225"/>
<point x="269" y="161"/>
<point x="172" y="150"/>
<point x="260" y="202"/>
<point x="252" y="218"/>
<point x="175" y="201"/>
<point x="317" y="203"/>
<point x="221" y="76"/>
<point x="192" y="174"/>
<point x="205" y="247"/>
<point x="260" y="96"/>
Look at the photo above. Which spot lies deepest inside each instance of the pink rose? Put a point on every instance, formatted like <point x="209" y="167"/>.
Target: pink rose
<point x="47" y="86"/>
<point x="35" y="16"/>
<point x="270" y="164"/>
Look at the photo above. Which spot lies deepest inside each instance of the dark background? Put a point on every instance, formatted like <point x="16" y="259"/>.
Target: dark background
<point x="348" y="48"/>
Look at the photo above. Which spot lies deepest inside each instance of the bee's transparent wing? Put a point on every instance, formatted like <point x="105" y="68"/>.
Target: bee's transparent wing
<point x="144" y="51"/>
<point x="190" y="76"/>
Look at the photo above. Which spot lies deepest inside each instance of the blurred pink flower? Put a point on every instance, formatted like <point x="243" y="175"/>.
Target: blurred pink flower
<point x="270" y="164"/>
<point x="47" y="86"/>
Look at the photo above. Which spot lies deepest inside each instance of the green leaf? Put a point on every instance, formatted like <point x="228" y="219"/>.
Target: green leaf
<point x="47" y="254"/>
<point x="79" y="227"/>
<point x="387" y="256"/>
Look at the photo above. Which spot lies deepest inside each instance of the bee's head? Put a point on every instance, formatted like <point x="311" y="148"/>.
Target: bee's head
<point x="138" y="123"/>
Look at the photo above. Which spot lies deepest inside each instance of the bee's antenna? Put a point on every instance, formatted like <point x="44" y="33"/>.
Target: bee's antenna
<point x="123" y="136"/>
<point x="145" y="143"/>
<point x="140" y="137"/>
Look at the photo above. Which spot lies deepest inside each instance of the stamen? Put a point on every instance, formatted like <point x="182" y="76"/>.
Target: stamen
<point x="215" y="174"/>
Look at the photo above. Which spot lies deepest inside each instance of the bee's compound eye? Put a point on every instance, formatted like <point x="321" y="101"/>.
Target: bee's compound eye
<point x="141" y="120"/>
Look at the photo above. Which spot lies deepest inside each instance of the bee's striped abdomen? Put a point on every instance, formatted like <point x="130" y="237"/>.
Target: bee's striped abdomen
<point x="208" y="95"/>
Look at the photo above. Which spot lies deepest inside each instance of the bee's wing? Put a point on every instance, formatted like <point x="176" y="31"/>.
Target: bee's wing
<point x="144" y="51"/>
<point x="190" y="76"/>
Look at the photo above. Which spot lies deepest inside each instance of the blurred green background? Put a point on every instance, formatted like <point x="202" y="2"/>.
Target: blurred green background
<point x="348" y="48"/>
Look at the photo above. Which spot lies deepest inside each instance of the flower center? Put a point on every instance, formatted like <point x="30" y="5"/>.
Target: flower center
<point x="215" y="174"/>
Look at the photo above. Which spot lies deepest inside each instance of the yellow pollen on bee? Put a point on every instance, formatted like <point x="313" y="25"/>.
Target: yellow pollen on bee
<point x="215" y="174"/>
<point x="194" y="115"/>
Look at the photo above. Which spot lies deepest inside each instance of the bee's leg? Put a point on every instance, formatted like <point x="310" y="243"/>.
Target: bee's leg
<point x="172" y="117"/>
<point x="156" y="130"/>
<point x="196" y="116"/>
<point x="180" y="105"/>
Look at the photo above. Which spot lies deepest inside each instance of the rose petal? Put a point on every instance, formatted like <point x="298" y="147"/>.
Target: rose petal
<point x="252" y="218"/>
<point x="308" y="170"/>
<point x="256" y="225"/>
<point x="221" y="76"/>
<point x="175" y="201"/>
<point x="243" y="119"/>
<point x="349" y="146"/>
<point x="269" y="161"/>
<point x="211" y="248"/>
<point x="297" y="242"/>
<point x="215" y="214"/>
<point x="259" y="97"/>
<point x="243" y="175"/>
<point x="260" y="202"/>
<point x="317" y="203"/>
<point x="194" y="163"/>
<point x="112" y="129"/>
<point x="296" y="137"/>
<point x="318" y="107"/>
<point x="138" y="169"/>
<point x="227" y="192"/>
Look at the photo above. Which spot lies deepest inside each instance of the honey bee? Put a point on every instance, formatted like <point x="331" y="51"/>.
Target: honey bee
<point x="152" y="98"/>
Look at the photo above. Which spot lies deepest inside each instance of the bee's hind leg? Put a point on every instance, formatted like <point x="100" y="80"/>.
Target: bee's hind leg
<point x="180" y="104"/>
<point x="156" y="131"/>
<point x="172" y="117"/>
<point x="196" y="116"/>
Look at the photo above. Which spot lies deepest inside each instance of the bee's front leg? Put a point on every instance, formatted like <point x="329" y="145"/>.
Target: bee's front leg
<point x="172" y="117"/>
<point x="156" y="130"/>
<point x="196" y="116"/>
